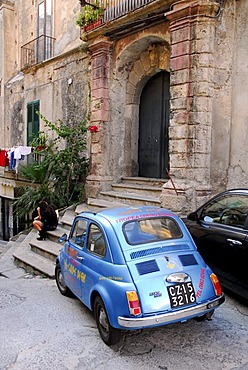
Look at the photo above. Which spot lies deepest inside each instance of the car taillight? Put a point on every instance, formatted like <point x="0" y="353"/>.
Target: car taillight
<point x="216" y="284"/>
<point x="133" y="303"/>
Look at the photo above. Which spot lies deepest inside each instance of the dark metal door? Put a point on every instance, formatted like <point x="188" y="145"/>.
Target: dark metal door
<point x="153" y="155"/>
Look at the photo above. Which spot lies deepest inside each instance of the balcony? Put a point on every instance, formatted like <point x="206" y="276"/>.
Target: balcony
<point x="114" y="9"/>
<point x="120" y="17"/>
<point x="36" y="51"/>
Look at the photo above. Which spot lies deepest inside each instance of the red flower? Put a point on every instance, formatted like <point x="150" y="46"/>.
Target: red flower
<point x="93" y="129"/>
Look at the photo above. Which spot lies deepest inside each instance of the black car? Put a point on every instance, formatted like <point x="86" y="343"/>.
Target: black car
<point x="220" y="231"/>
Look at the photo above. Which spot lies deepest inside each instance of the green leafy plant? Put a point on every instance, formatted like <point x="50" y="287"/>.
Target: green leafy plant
<point x="90" y="14"/>
<point x="40" y="140"/>
<point x="60" y="173"/>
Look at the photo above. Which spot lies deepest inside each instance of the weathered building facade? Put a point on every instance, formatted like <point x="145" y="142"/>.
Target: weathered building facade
<point x="166" y="81"/>
<point x="42" y="68"/>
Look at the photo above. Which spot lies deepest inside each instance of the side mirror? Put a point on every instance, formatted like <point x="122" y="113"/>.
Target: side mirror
<point x="193" y="216"/>
<point x="63" y="238"/>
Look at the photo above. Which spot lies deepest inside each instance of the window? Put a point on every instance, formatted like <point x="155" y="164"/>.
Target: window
<point x="33" y="121"/>
<point x="45" y="18"/>
<point x="79" y="232"/>
<point x="151" y="230"/>
<point x="228" y="210"/>
<point x="96" y="243"/>
<point x="45" y="30"/>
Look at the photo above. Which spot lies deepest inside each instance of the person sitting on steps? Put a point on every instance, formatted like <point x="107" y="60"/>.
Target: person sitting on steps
<point x="46" y="220"/>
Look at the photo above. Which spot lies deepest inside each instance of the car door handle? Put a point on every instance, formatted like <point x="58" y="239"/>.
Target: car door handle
<point x="234" y="242"/>
<point x="80" y="258"/>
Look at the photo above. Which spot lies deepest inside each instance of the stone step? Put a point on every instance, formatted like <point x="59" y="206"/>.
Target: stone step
<point x="146" y="181"/>
<point x="129" y="198"/>
<point x="32" y="262"/>
<point x="46" y="248"/>
<point x="67" y="218"/>
<point x="8" y="267"/>
<point x="56" y="234"/>
<point x="39" y="256"/>
<point x="81" y="208"/>
<point x="140" y="189"/>
<point x="98" y="204"/>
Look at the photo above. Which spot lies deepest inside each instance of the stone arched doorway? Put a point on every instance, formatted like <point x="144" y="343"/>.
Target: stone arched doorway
<point x="153" y="157"/>
<point x="114" y="147"/>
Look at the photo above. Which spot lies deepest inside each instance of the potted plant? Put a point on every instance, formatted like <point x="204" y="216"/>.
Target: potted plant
<point x="39" y="142"/>
<point x="91" y="16"/>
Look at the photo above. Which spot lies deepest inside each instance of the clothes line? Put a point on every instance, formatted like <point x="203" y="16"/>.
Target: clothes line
<point x="10" y="157"/>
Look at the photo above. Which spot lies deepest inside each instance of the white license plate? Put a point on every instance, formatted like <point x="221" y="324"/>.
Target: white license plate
<point x="181" y="294"/>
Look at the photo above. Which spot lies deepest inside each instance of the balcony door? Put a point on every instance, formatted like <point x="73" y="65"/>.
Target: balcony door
<point x="153" y="157"/>
<point x="45" y="29"/>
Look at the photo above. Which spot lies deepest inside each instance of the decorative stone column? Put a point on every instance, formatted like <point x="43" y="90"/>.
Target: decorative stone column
<point x="99" y="85"/>
<point x="192" y="27"/>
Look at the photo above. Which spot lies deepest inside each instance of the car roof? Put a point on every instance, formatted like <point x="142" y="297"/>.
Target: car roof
<point x="243" y="191"/>
<point x="129" y="213"/>
<point x="238" y="190"/>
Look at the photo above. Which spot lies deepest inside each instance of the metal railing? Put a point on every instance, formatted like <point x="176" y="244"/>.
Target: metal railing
<point x="37" y="50"/>
<point x="117" y="8"/>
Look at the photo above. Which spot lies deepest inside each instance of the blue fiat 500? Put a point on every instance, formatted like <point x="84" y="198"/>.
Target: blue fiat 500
<point x="136" y="267"/>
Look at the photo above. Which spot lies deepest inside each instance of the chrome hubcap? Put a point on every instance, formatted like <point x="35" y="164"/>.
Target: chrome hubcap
<point x="103" y="319"/>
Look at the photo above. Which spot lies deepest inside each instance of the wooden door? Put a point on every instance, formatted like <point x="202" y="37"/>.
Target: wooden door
<point x="153" y="155"/>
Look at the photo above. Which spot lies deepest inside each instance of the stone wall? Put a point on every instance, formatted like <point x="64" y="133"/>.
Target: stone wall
<point x="203" y="44"/>
<point x="229" y="167"/>
<point x="7" y="60"/>
<point x="131" y="62"/>
<point x="60" y="86"/>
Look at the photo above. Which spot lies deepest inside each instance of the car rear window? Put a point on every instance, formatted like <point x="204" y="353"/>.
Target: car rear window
<point x="151" y="230"/>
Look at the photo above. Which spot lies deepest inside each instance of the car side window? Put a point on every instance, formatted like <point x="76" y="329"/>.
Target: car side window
<point x="96" y="242"/>
<point x="79" y="232"/>
<point x="229" y="210"/>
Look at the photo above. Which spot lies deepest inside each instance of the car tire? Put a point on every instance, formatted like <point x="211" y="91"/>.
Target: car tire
<point x="108" y="334"/>
<point x="64" y="290"/>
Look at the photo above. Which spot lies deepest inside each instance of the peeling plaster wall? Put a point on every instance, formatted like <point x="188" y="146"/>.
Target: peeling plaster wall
<point x="66" y="32"/>
<point x="7" y="59"/>
<point x="238" y="170"/>
<point x="60" y="86"/>
<point x="17" y="122"/>
<point x="229" y="166"/>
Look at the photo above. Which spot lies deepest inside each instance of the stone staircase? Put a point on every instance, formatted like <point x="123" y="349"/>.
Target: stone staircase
<point x="133" y="191"/>
<point x="38" y="257"/>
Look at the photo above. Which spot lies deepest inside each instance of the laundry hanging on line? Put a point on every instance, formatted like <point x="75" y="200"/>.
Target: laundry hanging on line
<point x="11" y="157"/>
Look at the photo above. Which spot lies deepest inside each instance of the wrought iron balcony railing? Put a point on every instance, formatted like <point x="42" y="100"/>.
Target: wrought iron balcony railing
<point x="114" y="9"/>
<point x="36" y="51"/>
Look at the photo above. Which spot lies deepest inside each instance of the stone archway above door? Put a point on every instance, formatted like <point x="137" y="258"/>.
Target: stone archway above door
<point x="155" y="59"/>
<point x="119" y="151"/>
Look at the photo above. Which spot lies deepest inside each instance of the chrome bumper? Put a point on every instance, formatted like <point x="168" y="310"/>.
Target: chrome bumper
<point x="155" y="320"/>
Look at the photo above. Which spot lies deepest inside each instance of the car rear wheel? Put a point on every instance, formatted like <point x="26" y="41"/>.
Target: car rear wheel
<point x="108" y="334"/>
<point x="64" y="290"/>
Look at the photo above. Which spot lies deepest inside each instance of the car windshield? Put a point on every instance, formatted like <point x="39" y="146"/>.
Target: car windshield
<point x="151" y="230"/>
